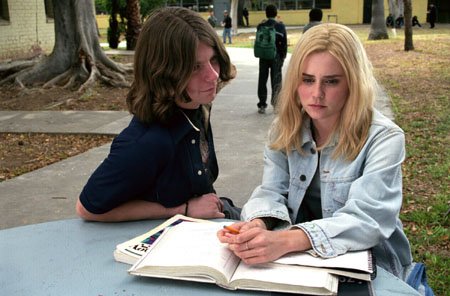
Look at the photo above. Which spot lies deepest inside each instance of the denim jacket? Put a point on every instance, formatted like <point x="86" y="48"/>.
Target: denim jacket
<point x="361" y="199"/>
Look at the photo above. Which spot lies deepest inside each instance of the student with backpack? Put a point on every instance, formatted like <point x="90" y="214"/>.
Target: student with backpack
<point x="270" y="48"/>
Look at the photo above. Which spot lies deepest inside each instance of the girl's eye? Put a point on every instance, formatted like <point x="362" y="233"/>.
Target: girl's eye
<point x="332" y="81"/>
<point x="308" y="80"/>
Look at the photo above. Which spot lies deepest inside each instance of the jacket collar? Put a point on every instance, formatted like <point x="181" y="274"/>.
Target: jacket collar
<point x="307" y="137"/>
<point x="180" y="125"/>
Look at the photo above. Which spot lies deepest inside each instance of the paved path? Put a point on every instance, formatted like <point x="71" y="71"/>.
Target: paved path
<point x="50" y="193"/>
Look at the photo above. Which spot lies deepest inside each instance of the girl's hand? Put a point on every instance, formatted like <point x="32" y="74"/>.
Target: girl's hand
<point x="225" y="235"/>
<point x="255" y="244"/>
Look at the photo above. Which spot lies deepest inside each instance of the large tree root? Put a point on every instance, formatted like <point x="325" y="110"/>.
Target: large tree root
<point x="77" y="60"/>
<point x="81" y="75"/>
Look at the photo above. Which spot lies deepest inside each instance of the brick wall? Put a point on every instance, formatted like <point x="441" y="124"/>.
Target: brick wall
<point x="27" y="30"/>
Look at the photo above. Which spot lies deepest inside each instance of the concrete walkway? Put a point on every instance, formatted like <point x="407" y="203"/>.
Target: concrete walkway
<point x="50" y="193"/>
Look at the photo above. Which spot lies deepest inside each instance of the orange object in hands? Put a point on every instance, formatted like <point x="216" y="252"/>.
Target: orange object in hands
<point x="231" y="229"/>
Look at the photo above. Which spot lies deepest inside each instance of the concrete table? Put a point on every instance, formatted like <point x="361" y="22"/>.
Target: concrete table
<point x="73" y="257"/>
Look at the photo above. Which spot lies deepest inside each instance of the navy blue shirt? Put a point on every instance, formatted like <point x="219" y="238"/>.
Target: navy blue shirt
<point x="157" y="163"/>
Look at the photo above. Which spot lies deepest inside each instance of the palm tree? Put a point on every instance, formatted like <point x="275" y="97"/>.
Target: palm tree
<point x="133" y="23"/>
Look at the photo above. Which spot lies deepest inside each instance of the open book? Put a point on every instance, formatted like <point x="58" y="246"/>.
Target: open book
<point x="192" y="252"/>
<point x="357" y="265"/>
<point x="130" y="251"/>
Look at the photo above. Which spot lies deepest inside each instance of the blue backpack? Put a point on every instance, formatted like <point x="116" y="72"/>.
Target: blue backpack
<point x="265" y="45"/>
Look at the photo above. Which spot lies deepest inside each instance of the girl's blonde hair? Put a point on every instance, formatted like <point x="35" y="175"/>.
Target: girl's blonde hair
<point x="353" y="125"/>
<point x="165" y="57"/>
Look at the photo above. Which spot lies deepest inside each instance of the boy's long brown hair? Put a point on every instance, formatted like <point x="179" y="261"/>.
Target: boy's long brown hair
<point x="165" y="57"/>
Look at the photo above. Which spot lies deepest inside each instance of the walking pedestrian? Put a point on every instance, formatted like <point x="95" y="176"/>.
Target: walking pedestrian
<point x="272" y="66"/>
<point x="226" y="24"/>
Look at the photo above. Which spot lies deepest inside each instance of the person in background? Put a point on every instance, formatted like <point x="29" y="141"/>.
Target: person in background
<point x="415" y="22"/>
<point x="212" y="20"/>
<point x="432" y="15"/>
<point x="164" y="163"/>
<point x="226" y="24"/>
<point x="245" y="15"/>
<point x="399" y="22"/>
<point x="315" y="18"/>
<point x="332" y="179"/>
<point x="390" y="21"/>
<point x="274" y="66"/>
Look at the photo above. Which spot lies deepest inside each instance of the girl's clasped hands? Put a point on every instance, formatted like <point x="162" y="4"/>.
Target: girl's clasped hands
<point x="254" y="244"/>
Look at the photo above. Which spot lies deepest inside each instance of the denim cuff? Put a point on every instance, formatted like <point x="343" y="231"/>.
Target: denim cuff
<point x="320" y="243"/>
<point x="282" y="222"/>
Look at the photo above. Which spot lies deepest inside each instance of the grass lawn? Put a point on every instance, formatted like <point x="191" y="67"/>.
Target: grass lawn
<point x="419" y="84"/>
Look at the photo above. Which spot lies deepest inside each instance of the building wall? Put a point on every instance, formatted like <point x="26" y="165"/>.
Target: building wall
<point x="349" y="12"/>
<point x="28" y="29"/>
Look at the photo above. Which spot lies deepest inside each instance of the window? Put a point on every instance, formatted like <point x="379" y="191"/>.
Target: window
<point x="4" y="12"/>
<point x="324" y="4"/>
<point x="291" y="4"/>
<point x="308" y="4"/>
<point x="196" y="5"/>
<point x="49" y="10"/>
<point x="288" y="5"/>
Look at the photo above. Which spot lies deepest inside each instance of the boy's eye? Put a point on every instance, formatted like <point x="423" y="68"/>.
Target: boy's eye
<point x="197" y="67"/>
<point x="214" y="61"/>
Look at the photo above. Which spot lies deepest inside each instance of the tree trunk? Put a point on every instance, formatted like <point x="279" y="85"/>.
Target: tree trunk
<point x="408" y="26"/>
<point x="378" y="25"/>
<point x="240" y="16"/>
<point x="133" y="23"/>
<point x="77" y="60"/>
<point x="234" y="16"/>
<point x="113" y="30"/>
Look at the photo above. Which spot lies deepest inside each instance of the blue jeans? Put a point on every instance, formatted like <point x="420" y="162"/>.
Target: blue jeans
<point x="418" y="280"/>
<point x="226" y="32"/>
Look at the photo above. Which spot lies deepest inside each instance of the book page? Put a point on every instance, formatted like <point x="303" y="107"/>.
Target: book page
<point x="360" y="260"/>
<point x="183" y="250"/>
<point x="130" y="251"/>
<point x="287" y="278"/>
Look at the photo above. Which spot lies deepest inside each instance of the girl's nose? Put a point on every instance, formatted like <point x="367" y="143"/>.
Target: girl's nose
<point x="318" y="91"/>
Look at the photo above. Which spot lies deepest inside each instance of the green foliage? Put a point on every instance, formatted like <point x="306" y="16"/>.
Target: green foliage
<point x="100" y="6"/>
<point x="104" y="6"/>
<point x="148" y="6"/>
